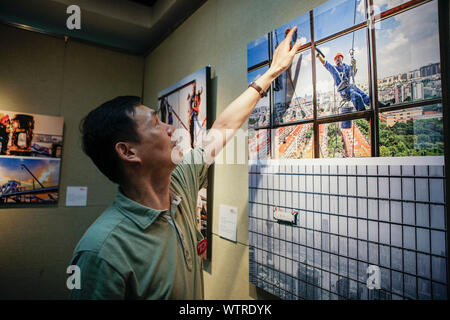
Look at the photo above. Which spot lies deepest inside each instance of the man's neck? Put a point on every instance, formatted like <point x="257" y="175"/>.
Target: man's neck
<point x="151" y="192"/>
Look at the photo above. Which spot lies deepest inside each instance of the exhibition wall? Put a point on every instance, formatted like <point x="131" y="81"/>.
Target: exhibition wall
<point x="42" y="74"/>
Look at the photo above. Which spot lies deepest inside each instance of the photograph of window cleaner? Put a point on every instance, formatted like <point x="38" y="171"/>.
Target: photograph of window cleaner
<point x="184" y="105"/>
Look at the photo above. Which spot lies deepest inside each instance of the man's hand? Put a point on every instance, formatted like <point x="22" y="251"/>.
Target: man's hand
<point x="283" y="55"/>
<point x="320" y="56"/>
<point x="234" y="116"/>
<point x="322" y="60"/>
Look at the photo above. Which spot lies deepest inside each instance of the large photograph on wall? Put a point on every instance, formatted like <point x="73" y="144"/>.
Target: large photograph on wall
<point x="347" y="180"/>
<point x="30" y="157"/>
<point x="185" y="105"/>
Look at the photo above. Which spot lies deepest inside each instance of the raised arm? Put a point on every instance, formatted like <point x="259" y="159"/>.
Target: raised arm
<point x="232" y="118"/>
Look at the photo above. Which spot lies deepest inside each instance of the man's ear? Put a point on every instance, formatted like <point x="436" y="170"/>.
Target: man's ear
<point x="126" y="152"/>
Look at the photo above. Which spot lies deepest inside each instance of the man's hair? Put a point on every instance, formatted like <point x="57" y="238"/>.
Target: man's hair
<point x="103" y="127"/>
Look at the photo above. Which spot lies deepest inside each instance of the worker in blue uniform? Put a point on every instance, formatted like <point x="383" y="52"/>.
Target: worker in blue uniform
<point x="342" y="73"/>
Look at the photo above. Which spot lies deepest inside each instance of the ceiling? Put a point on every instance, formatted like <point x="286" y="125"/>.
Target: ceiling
<point x="136" y="26"/>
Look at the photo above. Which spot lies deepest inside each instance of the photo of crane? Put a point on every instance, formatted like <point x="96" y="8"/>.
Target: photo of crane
<point x="28" y="180"/>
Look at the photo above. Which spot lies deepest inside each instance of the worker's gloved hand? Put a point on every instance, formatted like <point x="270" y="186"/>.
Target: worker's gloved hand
<point x="321" y="58"/>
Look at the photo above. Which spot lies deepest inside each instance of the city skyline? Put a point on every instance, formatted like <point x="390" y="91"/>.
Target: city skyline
<point x="407" y="41"/>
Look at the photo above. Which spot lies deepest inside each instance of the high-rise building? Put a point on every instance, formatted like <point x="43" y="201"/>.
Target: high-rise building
<point x="417" y="90"/>
<point x="399" y="93"/>
<point x="431" y="69"/>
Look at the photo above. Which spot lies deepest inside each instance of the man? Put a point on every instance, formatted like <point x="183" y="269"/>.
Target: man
<point x="341" y="73"/>
<point x="146" y="244"/>
<point x="194" y="109"/>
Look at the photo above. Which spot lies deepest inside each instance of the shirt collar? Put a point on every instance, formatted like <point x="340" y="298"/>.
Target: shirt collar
<point x="141" y="215"/>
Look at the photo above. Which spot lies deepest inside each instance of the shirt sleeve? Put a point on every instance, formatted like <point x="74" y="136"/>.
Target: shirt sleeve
<point x="99" y="280"/>
<point x="192" y="173"/>
<point x="329" y="67"/>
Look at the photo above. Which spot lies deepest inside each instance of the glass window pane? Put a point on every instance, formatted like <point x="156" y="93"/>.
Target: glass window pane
<point x="303" y="33"/>
<point x="423" y="240"/>
<point x="343" y="246"/>
<point x="408" y="57"/>
<point x="293" y="142"/>
<point x="345" y="139"/>
<point x="422" y="214"/>
<point x="259" y="144"/>
<point x="385" y="256"/>
<point x="352" y="248"/>
<point x="396" y="234"/>
<point x="343" y="266"/>
<point x="293" y="91"/>
<point x="437" y="217"/>
<point x="416" y="131"/>
<point x="396" y="211"/>
<point x="340" y="90"/>
<point x="362" y="272"/>
<point x="423" y="265"/>
<point x="260" y="117"/>
<point x="343" y="13"/>
<point x="383" y="5"/>
<point x="258" y="51"/>
<point x="424" y="289"/>
<point x="362" y="229"/>
<point x="384" y="233"/>
<point x="397" y="261"/>
<point x="410" y="261"/>
<point x="352" y="228"/>
<point x="397" y="282"/>
<point x="362" y="250"/>
<point x="438" y="267"/>
<point x="373" y="253"/>
<point x="385" y="279"/>
<point x="334" y="263"/>
<point x="438" y="242"/>
<point x="439" y="291"/>
<point x="410" y="287"/>
<point x="353" y="269"/>
<point x="373" y="231"/>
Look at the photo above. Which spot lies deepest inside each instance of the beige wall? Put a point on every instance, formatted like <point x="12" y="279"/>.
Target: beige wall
<point x="217" y="34"/>
<point x="42" y="74"/>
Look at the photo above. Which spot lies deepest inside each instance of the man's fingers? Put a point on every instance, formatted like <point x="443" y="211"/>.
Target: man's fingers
<point x="296" y="47"/>
<point x="290" y="34"/>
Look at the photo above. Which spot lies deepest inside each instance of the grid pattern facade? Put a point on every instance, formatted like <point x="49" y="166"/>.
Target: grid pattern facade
<point x="349" y="217"/>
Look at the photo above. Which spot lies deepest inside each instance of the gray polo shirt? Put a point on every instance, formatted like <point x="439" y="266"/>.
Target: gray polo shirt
<point x="135" y="252"/>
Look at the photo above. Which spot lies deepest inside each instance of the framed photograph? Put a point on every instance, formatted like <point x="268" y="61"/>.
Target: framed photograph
<point x="186" y="106"/>
<point x="30" y="157"/>
<point x="364" y="98"/>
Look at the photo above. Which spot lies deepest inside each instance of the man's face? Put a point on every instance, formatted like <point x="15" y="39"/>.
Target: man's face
<point x="339" y="60"/>
<point x="156" y="145"/>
